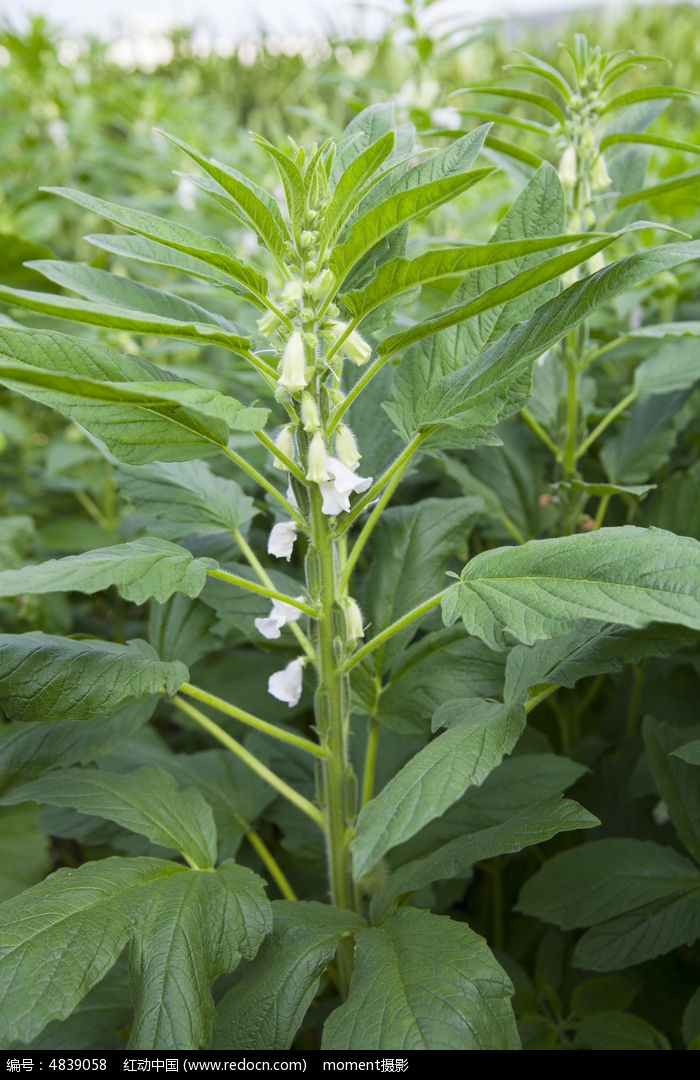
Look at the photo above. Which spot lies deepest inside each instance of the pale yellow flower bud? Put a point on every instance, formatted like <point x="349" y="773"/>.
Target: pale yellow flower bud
<point x="567" y="168"/>
<point x="285" y="443"/>
<point x="600" y="178"/>
<point x="292" y="369"/>
<point x="353" y="619"/>
<point x="310" y="417"/>
<point x="317" y="471"/>
<point x="346" y="447"/>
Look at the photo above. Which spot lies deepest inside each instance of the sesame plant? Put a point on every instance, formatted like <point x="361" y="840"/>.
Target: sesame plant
<point x="290" y="881"/>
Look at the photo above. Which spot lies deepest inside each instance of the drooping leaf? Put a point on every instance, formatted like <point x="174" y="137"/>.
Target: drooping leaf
<point x="127" y="402"/>
<point x="184" y="499"/>
<point x="203" y="925"/>
<point x="613" y="1030"/>
<point x="24" y="850"/>
<point x="59" y="938"/>
<point x="533" y="825"/>
<point x="46" y="678"/>
<point x="628" y="576"/>
<point x="266" y="1005"/>
<point x="481" y="733"/>
<point x="173" y="235"/>
<point x="423" y="982"/>
<point x="141" y="249"/>
<point x="140" y="569"/>
<point x="146" y="802"/>
<point x="676" y="780"/>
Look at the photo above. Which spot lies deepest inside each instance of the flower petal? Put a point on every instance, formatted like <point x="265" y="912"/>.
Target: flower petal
<point x="286" y="685"/>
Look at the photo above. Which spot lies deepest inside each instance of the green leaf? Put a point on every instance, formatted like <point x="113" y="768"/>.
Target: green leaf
<point x="689" y="752"/>
<point x="547" y="104"/>
<point x="29" y="749"/>
<point x="127" y="402"/>
<point x="366" y="128"/>
<point x="455" y="859"/>
<point x="672" y="367"/>
<point x="646" y="93"/>
<point x="248" y="200"/>
<point x="423" y="982"/>
<point x="676" y="780"/>
<point x="646" y="441"/>
<point x="440" y="667"/>
<point x="497" y="383"/>
<point x="147" y="802"/>
<point x="173" y="235"/>
<point x="627" y="576"/>
<point x="16" y="535"/>
<point x="59" y="938"/>
<point x="594" y="996"/>
<point x="691" y="1019"/>
<point x="140" y="249"/>
<point x="24" y="850"/>
<point x="411" y="547"/>
<point x="402" y="274"/>
<point x="615" y="1030"/>
<point x="481" y="733"/>
<point x="118" y="318"/>
<point x="398" y="209"/>
<point x="185" y="499"/>
<point x="676" y="507"/>
<point x="606" y="878"/>
<point x="203" y="925"/>
<point x="588" y="649"/>
<point x="642" y="934"/>
<point x="47" y="678"/>
<point x="140" y="569"/>
<point x="270" y="997"/>
<point x="97" y="1022"/>
<point x="289" y="174"/>
<point x="352" y="185"/>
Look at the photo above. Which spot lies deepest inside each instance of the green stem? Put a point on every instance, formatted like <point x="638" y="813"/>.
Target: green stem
<point x="263" y="481"/>
<point x="268" y="373"/>
<point x="337" y="788"/>
<point x="513" y="529"/>
<point x="602" y="509"/>
<point x="605" y="422"/>
<point x="570" y="453"/>
<point x="251" y="761"/>
<point x="541" y="434"/>
<point x="287" y="462"/>
<point x="254" y="562"/>
<point x="252" y="721"/>
<point x="394" y="628"/>
<point x="263" y="590"/>
<point x="370" y="763"/>
<point x="270" y="863"/>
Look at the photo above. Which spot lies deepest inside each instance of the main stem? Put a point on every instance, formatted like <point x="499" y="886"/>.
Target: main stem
<point x="337" y="788"/>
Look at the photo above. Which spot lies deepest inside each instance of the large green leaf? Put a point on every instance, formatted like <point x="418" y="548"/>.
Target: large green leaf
<point x="532" y="825"/>
<point x="672" y="367"/>
<point x="24" y="850"/>
<point x="412" y="545"/>
<point x="351" y="185"/>
<point x="48" y="679"/>
<point x="628" y="576"/>
<point x="676" y="780"/>
<point x="140" y="569"/>
<point x="200" y="927"/>
<point x="647" y="438"/>
<point x="641" y="900"/>
<point x="127" y="402"/>
<point x="147" y="802"/>
<point x="481" y="733"/>
<point x="59" y="938"/>
<point x="249" y="201"/>
<point x="173" y="235"/>
<point x="423" y="982"/>
<point x="398" y="209"/>
<point x="178" y="500"/>
<point x="269" y="999"/>
<point x="141" y="249"/>
<point x="121" y="318"/>
<point x="497" y="383"/>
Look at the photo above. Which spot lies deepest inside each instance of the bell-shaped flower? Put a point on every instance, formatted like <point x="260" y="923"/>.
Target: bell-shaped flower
<point x="292" y="369"/>
<point x="318" y="470"/>
<point x="285" y="443"/>
<point x="286" y="685"/>
<point x="600" y="177"/>
<point x="354" y="346"/>
<point x="279" y="616"/>
<point x="310" y="417"/>
<point x="568" y="171"/>
<point x="337" y="491"/>
<point x="346" y="447"/>
<point x="280" y="542"/>
<point x="353" y="619"/>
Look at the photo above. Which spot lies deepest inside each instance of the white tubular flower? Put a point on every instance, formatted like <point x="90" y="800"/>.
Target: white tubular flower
<point x="309" y="413"/>
<point x="286" y="685"/>
<point x="355" y="347"/>
<point x="346" y="447"/>
<point x="280" y="542"/>
<point x="285" y="443"/>
<point x="292" y="368"/>
<point x="322" y="284"/>
<point x="446" y="116"/>
<point x="567" y="167"/>
<point x="600" y="178"/>
<point x="336" y="492"/>
<point x="317" y="471"/>
<point x="353" y="619"/>
<point x="279" y="616"/>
